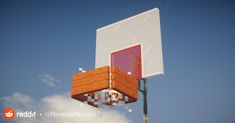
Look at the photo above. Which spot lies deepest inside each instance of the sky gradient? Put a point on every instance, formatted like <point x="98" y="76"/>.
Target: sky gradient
<point x="43" y="38"/>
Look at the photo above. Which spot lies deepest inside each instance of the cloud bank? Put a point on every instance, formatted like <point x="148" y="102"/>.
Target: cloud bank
<point x="49" y="79"/>
<point x="61" y="103"/>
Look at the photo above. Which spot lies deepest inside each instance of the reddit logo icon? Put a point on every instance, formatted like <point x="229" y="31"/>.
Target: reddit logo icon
<point x="9" y="113"/>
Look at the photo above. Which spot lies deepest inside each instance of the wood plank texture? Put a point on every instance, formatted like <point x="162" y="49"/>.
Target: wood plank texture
<point x="99" y="79"/>
<point x="124" y="83"/>
<point x="90" y="81"/>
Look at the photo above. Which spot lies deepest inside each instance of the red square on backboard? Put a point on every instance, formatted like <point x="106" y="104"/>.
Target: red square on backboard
<point x="128" y="60"/>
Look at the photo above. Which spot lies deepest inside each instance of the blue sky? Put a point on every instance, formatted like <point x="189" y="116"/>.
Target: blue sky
<point x="53" y="37"/>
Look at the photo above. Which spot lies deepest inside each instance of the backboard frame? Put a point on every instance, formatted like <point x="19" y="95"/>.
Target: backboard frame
<point x="142" y="29"/>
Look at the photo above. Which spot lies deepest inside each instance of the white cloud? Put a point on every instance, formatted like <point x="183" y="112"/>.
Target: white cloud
<point x="60" y="103"/>
<point x="19" y="100"/>
<point x="49" y="79"/>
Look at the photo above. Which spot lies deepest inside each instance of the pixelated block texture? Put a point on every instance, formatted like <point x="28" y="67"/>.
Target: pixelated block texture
<point x="99" y="79"/>
<point x="125" y="84"/>
<point x="89" y="81"/>
<point x="128" y="60"/>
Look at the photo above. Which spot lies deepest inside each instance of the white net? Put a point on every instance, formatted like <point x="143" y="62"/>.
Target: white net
<point x="106" y="98"/>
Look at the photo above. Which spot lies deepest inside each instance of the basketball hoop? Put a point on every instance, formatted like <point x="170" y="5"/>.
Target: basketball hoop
<point x="127" y="52"/>
<point x="104" y="87"/>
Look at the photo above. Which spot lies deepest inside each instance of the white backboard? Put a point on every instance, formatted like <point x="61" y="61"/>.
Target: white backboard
<point x="143" y="29"/>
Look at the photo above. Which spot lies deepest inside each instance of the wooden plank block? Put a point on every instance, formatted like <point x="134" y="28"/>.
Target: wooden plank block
<point x="125" y="81"/>
<point x="126" y="84"/>
<point x="90" y="87"/>
<point x="77" y="84"/>
<point x="126" y="78"/>
<point x="125" y="89"/>
<point x="98" y="79"/>
<point x="91" y="76"/>
<point x="79" y="97"/>
<point x="117" y="71"/>
<point x="90" y="81"/>
<point x="91" y="72"/>
<point x="122" y="73"/>
<point x="95" y="78"/>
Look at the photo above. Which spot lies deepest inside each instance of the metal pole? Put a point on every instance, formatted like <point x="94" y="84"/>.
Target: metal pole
<point x="145" y="105"/>
<point x="144" y="91"/>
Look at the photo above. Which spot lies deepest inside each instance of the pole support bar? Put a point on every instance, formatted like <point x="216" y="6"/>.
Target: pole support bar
<point x="144" y="92"/>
